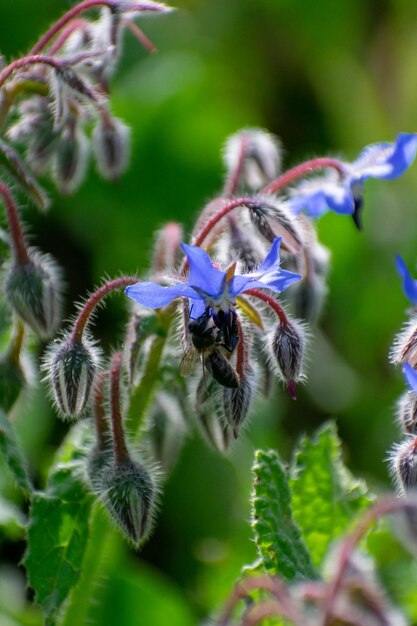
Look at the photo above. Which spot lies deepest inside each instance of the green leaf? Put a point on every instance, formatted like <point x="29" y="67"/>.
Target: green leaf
<point x="325" y="496"/>
<point x="59" y="525"/>
<point x="277" y="536"/>
<point x="12" y="454"/>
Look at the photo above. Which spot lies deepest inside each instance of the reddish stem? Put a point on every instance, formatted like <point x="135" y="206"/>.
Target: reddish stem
<point x="19" y="248"/>
<point x="381" y="508"/>
<point x="260" y="582"/>
<point x="272" y="303"/>
<point x="120" y="450"/>
<point x="301" y="170"/>
<point x="66" y="34"/>
<point x="202" y="234"/>
<point x="28" y="60"/>
<point x="98" y="409"/>
<point x="80" y="8"/>
<point x="140" y="36"/>
<point x="93" y="301"/>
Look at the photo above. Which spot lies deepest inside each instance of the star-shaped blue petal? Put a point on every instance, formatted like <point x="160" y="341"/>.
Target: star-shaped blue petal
<point x="409" y="284"/>
<point x="209" y="287"/>
<point x="338" y="192"/>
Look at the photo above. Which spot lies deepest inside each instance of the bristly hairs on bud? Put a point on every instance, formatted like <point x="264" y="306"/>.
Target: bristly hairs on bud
<point x="405" y="344"/>
<point x="287" y="346"/>
<point x="70" y="365"/>
<point x="70" y="159"/>
<point x="407" y="413"/>
<point x="209" y="412"/>
<point x="111" y="145"/>
<point x="253" y="156"/>
<point x="236" y="402"/>
<point x="33" y="290"/>
<point x="273" y="219"/>
<point x="403" y="464"/>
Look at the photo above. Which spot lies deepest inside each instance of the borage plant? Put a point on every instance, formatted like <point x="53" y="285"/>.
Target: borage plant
<point x="206" y="334"/>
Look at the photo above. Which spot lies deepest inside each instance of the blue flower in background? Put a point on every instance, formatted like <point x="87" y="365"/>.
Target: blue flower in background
<point x="342" y="193"/>
<point x="409" y="284"/>
<point x="209" y="288"/>
<point x="410" y="375"/>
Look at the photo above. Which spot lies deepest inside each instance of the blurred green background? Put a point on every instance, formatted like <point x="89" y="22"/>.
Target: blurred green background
<point x="326" y="77"/>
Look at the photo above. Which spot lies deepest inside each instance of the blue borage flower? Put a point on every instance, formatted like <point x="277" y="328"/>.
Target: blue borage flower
<point x="342" y="193"/>
<point x="211" y="289"/>
<point x="409" y="284"/>
<point x="410" y="376"/>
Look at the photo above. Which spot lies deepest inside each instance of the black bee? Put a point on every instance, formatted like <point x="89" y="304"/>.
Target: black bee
<point x="207" y="338"/>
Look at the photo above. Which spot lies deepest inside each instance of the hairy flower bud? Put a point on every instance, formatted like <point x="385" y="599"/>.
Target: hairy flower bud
<point x="33" y="290"/>
<point x="129" y="493"/>
<point x="70" y="367"/>
<point x="405" y="345"/>
<point x="236" y="403"/>
<point x="260" y="153"/>
<point x="70" y="159"/>
<point x="288" y="349"/>
<point x="407" y="412"/>
<point x="111" y="147"/>
<point x="403" y="464"/>
<point x="273" y="219"/>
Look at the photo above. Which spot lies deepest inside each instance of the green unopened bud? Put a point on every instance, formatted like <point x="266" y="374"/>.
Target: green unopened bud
<point x="70" y="367"/>
<point x="129" y="496"/>
<point x="111" y="147"/>
<point x="33" y="290"/>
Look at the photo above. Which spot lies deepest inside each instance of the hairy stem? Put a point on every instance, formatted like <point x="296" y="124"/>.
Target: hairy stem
<point x="233" y="179"/>
<point x="19" y="248"/>
<point x="31" y="59"/>
<point x="301" y="170"/>
<point x="275" y="306"/>
<point x="99" y="410"/>
<point x="381" y="508"/>
<point x="95" y="299"/>
<point x="119" y="441"/>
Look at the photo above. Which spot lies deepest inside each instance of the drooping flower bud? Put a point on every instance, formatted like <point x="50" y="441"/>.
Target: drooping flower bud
<point x="273" y="219"/>
<point x="33" y="290"/>
<point x="111" y="147"/>
<point x="70" y="159"/>
<point x="70" y="367"/>
<point x="405" y="344"/>
<point x="403" y="464"/>
<point x="260" y="155"/>
<point x="236" y="403"/>
<point x="129" y="494"/>
<point x="407" y="413"/>
<point x="288" y="348"/>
